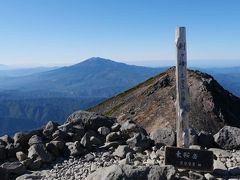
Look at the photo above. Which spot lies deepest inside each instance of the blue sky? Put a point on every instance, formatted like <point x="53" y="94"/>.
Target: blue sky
<point x="55" y="32"/>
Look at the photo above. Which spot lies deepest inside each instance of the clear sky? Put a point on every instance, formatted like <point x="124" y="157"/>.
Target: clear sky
<point x="50" y="32"/>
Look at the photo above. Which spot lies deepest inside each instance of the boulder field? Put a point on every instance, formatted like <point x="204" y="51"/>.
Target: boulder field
<point x="95" y="147"/>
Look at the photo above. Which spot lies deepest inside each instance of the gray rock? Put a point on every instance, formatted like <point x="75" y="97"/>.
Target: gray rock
<point x="49" y="129"/>
<point x="235" y="171"/>
<point x="3" y="153"/>
<point x="90" y="120"/>
<point x="22" y="139"/>
<point x="78" y="132"/>
<point x="228" y="137"/>
<point x="115" y="127"/>
<point x="12" y="149"/>
<point x="3" y="174"/>
<point x="85" y="141"/>
<point x="196" y="176"/>
<point x="220" y="152"/>
<point x="206" y="139"/>
<point x="193" y="137"/>
<point x="195" y="147"/>
<point x="139" y="142"/>
<point x="163" y="136"/>
<point x="55" y="147"/>
<point x="2" y="143"/>
<point x="89" y="157"/>
<point x="113" y="136"/>
<point x="39" y="151"/>
<point x="113" y="172"/>
<point x="121" y="151"/>
<point x="14" y="167"/>
<point x="209" y="176"/>
<point x="104" y="131"/>
<point x="219" y="168"/>
<point x="7" y="139"/>
<point x="60" y="135"/>
<point x="75" y="148"/>
<point x="96" y="141"/>
<point x="113" y="144"/>
<point x="35" y="139"/>
<point x="35" y="165"/>
<point x="161" y="172"/>
<point x="130" y="128"/>
<point x="27" y="162"/>
<point x="21" y="156"/>
<point x="128" y="172"/>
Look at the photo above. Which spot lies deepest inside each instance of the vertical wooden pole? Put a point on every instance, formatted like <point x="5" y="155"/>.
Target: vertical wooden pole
<point x="182" y="103"/>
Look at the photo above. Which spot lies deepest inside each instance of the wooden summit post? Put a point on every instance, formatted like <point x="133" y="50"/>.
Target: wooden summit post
<point x="181" y="156"/>
<point x="182" y="93"/>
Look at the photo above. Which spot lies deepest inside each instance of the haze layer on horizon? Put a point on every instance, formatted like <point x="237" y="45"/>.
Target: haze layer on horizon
<point x="58" y="32"/>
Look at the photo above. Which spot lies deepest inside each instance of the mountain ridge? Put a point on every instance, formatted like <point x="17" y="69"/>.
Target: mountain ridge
<point x="151" y="103"/>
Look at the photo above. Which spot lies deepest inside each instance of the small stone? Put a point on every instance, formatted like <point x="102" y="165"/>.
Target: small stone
<point x="16" y="167"/>
<point x="104" y="131"/>
<point x="209" y="176"/>
<point x="195" y="147"/>
<point x="219" y="168"/>
<point x="113" y="136"/>
<point x="121" y="151"/>
<point x="21" y="156"/>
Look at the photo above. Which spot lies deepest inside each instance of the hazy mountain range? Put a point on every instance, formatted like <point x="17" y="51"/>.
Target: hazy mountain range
<point x="53" y="95"/>
<point x="31" y="97"/>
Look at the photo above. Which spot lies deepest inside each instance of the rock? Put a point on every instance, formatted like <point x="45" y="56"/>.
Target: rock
<point x="113" y="144"/>
<point x="2" y="143"/>
<point x="193" y="137"/>
<point x="163" y="136"/>
<point x="121" y="151"/>
<point x="7" y="139"/>
<point x="49" y="129"/>
<point x="3" y="174"/>
<point x="27" y="162"/>
<point x="139" y="142"/>
<point x="96" y="141"/>
<point x="12" y="149"/>
<point x="209" y="176"/>
<point x="219" y="168"/>
<point x="75" y="148"/>
<point x="21" y="156"/>
<point x="22" y="139"/>
<point x="104" y="131"/>
<point x="113" y="172"/>
<point x="3" y="153"/>
<point x="195" y="147"/>
<point x="206" y="139"/>
<point x="60" y="135"/>
<point x="228" y="137"/>
<point x="90" y="120"/>
<point x="220" y="152"/>
<point x="15" y="167"/>
<point x="78" y="132"/>
<point x="235" y="171"/>
<point x="39" y="151"/>
<point x="113" y="136"/>
<point x="35" y="139"/>
<point x="125" y="171"/>
<point x="89" y="157"/>
<point x="115" y="127"/>
<point x="55" y="147"/>
<point x="196" y="176"/>
<point x="36" y="165"/>
<point x="85" y="141"/>
<point x="129" y="128"/>
<point x="161" y="172"/>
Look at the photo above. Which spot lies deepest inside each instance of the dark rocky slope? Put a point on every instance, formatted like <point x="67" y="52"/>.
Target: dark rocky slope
<point x="151" y="103"/>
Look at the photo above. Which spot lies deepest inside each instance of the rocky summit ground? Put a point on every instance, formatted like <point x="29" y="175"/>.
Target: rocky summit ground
<point x="95" y="147"/>
<point x="151" y="104"/>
